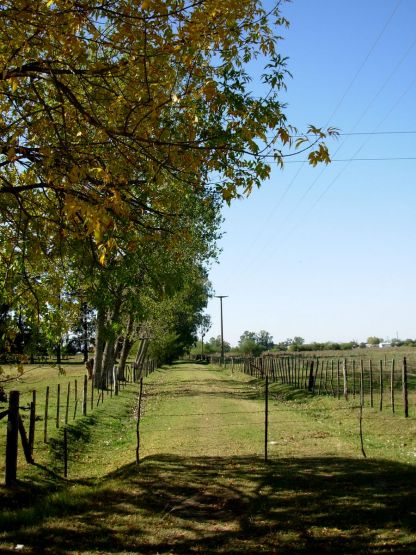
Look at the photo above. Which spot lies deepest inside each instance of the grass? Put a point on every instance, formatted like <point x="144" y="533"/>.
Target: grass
<point x="37" y="378"/>
<point x="202" y="485"/>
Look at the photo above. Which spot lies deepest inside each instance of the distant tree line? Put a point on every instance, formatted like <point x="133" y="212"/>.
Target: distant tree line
<point x="254" y="344"/>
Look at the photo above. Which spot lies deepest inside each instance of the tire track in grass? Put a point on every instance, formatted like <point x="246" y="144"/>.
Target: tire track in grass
<point x="195" y="410"/>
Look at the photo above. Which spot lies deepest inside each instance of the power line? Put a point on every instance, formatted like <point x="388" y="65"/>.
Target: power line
<point x="347" y="90"/>
<point x="351" y="159"/>
<point x="345" y="134"/>
<point x="350" y="134"/>
<point x="379" y="133"/>
<point x="359" y="159"/>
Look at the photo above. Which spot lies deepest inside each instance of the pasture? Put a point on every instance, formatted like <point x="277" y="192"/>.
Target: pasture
<point x="202" y="485"/>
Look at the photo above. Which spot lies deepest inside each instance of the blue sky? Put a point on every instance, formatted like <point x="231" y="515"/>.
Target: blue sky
<point x="329" y="253"/>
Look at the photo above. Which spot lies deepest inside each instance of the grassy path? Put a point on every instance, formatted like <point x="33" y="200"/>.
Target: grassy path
<point x="202" y="485"/>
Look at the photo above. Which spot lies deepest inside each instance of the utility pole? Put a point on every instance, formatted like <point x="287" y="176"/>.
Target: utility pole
<point x="221" y="297"/>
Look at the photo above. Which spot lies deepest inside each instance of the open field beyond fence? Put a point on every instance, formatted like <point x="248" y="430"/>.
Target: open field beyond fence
<point x="385" y="380"/>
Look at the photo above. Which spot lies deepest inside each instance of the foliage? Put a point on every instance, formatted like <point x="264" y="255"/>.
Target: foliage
<point x="214" y="462"/>
<point x="214" y="345"/>
<point x="124" y="126"/>
<point x="173" y="321"/>
<point x="103" y="102"/>
<point x="297" y="344"/>
<point x="254" y="344"/>
<point x="372" y="340"/>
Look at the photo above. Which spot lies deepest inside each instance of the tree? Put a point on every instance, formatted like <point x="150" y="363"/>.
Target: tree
<point x="298" y="340"/>
<point x="265" y="340"/>
<point x="124" y="125"/>
<point x="104" y="103"/>
<point x="372" y="340"/>
<point x="252" y="343"/>
<point x="204" y="327"/>
<point x="214" y="345"/>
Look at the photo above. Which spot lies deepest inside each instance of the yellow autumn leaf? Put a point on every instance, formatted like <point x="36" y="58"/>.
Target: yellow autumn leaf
<point x="284" y="135"/>
<point x="98" y="232"/>
<point x="210" y="90"/>
<point x="101" y="259"/>
<point x="74" y="175"/>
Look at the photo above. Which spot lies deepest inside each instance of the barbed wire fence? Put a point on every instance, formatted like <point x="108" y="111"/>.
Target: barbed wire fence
<point x="278" y="420"/>
<point x="67" y="402"/>
<point x="386" y="384"/>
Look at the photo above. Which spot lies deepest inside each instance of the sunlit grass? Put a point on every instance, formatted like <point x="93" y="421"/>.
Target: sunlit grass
<point x="202" y="485"/>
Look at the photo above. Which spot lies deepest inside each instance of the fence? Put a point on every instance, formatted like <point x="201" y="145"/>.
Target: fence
<point x="77" y="398"/>
<point x="383" y="384"/>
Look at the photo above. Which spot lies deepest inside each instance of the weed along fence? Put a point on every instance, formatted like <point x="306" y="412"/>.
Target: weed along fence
<point x="49" y="412"/>
<point x="384" y="384"/>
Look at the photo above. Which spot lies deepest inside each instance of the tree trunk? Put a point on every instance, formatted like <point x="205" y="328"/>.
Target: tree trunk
<point x="127" y="345"/>
<point x="85" y="331"/>
<point x="99" y="346"/>
<point x="108" y="362"/>
<point x="118" y="347"/>
<point x="58" y="353"/>
<point x="110" y="344"/>
<point x="141" y="354"/>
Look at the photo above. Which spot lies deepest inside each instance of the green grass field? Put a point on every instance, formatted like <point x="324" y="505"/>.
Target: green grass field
<point x="202" y="485"/>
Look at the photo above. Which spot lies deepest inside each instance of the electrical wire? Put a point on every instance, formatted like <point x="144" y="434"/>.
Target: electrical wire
<point x="288" y="188"/>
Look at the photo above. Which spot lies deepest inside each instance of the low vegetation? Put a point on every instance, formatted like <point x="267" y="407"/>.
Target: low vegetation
<point x="202" y="485"/>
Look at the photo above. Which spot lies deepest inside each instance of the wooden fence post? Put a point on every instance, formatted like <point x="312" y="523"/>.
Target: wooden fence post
<point x="353" y="378"/>
<point x="392" y="385"/>
<point x="68" y="393"/>
<point x="381" y="385"/>
<point x="92" y="395"/>
<point x="25" y="441"/>
<point x="371" y="383"/>
<point x="12" y="438"/>
<point x="32" y="422"/>
<point x="311" y="381"/>
<point x="338" y="380"/>
<point x="45" y="423"/>
<point x="58" y="403"/>
<point x="84" y="397"/>
<point x="405" y="389"/>
<point x="345" y="378"/>
<point x="266" y="418"/>
<point x="361" y="409"/>
<point x="319" y="370"/>
<point x="75" y="398"/>
<point x="139" y="405"/>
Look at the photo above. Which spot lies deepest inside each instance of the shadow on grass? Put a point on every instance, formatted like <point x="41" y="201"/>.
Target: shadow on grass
<point x="230" y="505"/>
<point x="224" y="389"/>
<point x="79" y="435"/>
<point x="227" y="388"/>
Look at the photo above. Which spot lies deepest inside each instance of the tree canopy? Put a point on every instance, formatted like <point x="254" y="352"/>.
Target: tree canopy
<point x="124" y="124"/>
